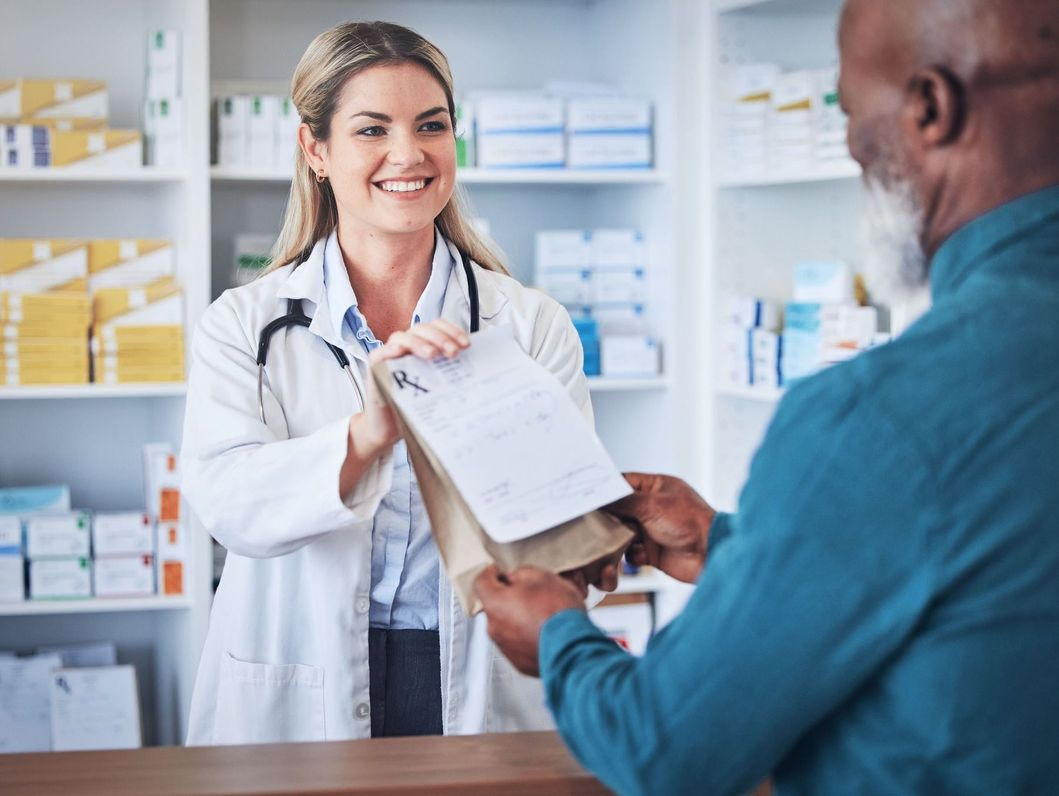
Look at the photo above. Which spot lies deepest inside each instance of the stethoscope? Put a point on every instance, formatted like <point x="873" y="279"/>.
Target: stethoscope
<point x="296" y="317"/>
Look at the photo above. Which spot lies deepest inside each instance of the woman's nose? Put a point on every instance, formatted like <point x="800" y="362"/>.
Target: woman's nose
<point x="405" y="150"/>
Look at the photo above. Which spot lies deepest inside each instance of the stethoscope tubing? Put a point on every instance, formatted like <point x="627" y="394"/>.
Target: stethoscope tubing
<point x="295" y="316"/>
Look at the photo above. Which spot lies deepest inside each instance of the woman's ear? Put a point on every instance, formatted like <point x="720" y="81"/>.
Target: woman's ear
<point x="315" y="151"/>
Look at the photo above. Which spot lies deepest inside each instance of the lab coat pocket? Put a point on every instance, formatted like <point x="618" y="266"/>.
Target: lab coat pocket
<point x="516" y="702"/>
<point x="268" y="702"/>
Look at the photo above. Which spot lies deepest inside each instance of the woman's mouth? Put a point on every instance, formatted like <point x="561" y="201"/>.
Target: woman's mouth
<point x="404" y="186"/>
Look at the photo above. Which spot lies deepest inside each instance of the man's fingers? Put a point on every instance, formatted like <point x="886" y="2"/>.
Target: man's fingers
<point x="608" y="578"/>
<point x="488" y="583"/>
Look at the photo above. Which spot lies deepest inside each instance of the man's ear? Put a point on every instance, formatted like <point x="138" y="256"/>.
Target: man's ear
<point x="935" y="108"/>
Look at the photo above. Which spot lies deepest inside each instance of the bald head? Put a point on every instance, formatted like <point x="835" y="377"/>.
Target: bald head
<point x="960" y="98"/>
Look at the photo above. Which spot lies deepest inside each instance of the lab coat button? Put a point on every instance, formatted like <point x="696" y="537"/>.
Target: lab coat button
<point x="362" y="604"/>
<point x="362" y="710"/>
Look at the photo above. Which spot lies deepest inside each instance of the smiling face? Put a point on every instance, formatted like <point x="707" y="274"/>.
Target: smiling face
<point x="391" y="153"/>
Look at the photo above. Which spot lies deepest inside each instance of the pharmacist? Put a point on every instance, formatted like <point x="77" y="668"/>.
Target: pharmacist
<point x="881" y="615"/>
<point x="333" y="619"/>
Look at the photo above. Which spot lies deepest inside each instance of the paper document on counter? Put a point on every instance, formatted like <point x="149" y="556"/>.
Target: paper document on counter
<point x="502" y="455"/>
<point x="95" y="708"/>
<point x="25" y="721"/>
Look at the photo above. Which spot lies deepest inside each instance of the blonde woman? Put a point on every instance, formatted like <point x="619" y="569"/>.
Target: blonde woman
<point x="333" y="618"/>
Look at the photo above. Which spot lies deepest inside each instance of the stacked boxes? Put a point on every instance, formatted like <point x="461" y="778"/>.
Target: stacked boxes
<point x="777" y="122"/>
<point x="123" y="544"/>
<point x="821" y="326"/>
<point x="58" y="548"/>
<point x="162" y="484"/>
<point x="12" y="585"/>
<point x="608" y="133"/>
<point x="540" y="130"/>
<point x="258" y="131"/>
<point x="519" y="131"/>
<point x="45" y="312"/>
<point x="601" y="277"/>
<point x="62" y="123"/>
<point x="138" y="333"/>
<point x="163" y="107"/>
<point x="53" y="292"/>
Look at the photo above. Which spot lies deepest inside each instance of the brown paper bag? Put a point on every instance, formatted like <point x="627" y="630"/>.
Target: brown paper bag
<point x="466" y="549"/>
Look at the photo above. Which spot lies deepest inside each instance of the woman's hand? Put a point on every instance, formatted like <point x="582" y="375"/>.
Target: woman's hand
<point x="373" y="431"/>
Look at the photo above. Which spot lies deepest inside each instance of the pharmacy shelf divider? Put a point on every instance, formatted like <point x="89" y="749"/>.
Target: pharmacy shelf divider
<point x="483" y="176"/>
<point x="58" y="175"/>
<point x="95" y="606"/>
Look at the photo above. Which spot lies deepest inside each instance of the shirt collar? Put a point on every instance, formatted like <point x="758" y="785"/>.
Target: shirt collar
<point x="341" y="298"/>
<point x="987" y="237"/>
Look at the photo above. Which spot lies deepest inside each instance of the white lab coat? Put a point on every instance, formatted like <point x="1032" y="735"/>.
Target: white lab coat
<point x="286" y="655"/>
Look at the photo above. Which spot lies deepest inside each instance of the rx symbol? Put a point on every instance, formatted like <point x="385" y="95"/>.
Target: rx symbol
<point x="404" y="380"/>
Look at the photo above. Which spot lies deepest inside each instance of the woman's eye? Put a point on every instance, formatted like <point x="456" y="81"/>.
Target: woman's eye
<point x="371" y="132"/>
<point x="434" y="127"/>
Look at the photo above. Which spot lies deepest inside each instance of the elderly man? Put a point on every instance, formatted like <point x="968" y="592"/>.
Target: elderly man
<point x="881" y="615"/>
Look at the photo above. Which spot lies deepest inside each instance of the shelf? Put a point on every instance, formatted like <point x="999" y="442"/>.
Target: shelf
<point x="770" y="396"/>
<point x="644" y="583"/>
<point x="605" y="384"/>
<point x="843" y="170"/>
<point x="50" y="391"/>
<point x="481" y="176"/>
<point x="778" y="6"/>
<point x="94" y="606"/>
<point x="144" y="175"/>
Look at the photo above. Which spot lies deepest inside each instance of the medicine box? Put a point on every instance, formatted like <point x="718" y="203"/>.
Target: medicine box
<point x="122" y="534"/>
<point x="608" y="114"/>
<point x="126" y="263"/>
<point x="261" y="130"/>
<point x="521" y="150"/>
<point x="518" y="113"/>
<point x="60" y="579"/>
<point x="619" y="284"/>
<point x="630" y="356"/>
<point x="287" y="122"/>
<point x="618" y="247"/>
<point x="171" y="558"/>
<point x="10" y="535"/>
<point x="563" y="248"/>
<point x="570" y="286"/>
<point x="164" y="132"/>
<point x="163" y="64"/>
<point x="49" y="97"/>
<point x="620" y="318"/>
<point x="26" y="500"/>
<point x="124" y="576"/>
<point x="97" y="149"/>
<point x="824" y="282"/>
<point x="12" y="578"/>
<point x="58" y="535"/>
<point x="29" y="265"/>
<point x="162" y="482"/>
<point x="609" y="151"/>
<point x="233" y="123"/>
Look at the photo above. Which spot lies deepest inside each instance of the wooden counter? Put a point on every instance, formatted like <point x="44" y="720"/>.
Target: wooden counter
<point x="506" y="764"/>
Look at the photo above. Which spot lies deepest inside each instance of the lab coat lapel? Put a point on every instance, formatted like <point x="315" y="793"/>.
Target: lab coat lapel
<point x="306" y="283"/>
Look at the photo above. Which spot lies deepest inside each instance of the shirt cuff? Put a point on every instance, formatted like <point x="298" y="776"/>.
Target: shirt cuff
<point x="720" y="529"/>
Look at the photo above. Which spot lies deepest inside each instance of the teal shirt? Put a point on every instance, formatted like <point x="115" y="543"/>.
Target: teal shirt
<point x="881" y="615"/>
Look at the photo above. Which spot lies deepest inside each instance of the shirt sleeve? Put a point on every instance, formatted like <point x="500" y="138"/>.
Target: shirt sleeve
<point x="809" y="589"/>
<point x="258" y="492"/>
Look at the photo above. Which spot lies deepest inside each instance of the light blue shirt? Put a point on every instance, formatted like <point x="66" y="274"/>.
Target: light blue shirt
<point x="404" y="558"/>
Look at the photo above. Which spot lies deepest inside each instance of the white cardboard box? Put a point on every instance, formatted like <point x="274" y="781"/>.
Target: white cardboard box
<point x="12" y="578"/>
<point x="94" y="708"/>
<point x="58" y="535"/>
<point x="619" y="284"/>
<point x="171" y="559"/>
<point x="60" y="579"/>
<point x="629" y="356"/>
<point x="521" y="150"/>
<point x="126" y="533"/>
<point x="609" y="151"/>
<point x="618" y="247"/>
<point x="596" y="114"/>
<point x="506" y="113"/>
<point x="10" y="535"/>
<point x="163" y="64"/>
<point x="124" y="576"/>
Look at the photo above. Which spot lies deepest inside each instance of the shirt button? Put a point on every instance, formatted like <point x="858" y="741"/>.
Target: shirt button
<point x="362" y="605"/>
<point x="362" y="710"/>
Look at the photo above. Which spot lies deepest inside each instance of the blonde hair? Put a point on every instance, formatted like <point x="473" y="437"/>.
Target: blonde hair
<point x="330" y="61"/>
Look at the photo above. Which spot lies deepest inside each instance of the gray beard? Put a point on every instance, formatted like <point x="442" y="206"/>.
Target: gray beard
<point x="895" y="266"/>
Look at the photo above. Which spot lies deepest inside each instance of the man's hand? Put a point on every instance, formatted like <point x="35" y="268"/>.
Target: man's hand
<point x="601" y="573"/>
<point x="674" y="522"/>
<point x="518" y="604"/>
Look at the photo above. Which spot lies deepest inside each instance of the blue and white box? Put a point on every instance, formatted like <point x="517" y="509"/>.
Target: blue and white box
<point x="519" y="131"/>
<point x="609" y="132"/>
<point x="12" y="568"/>
<point x="562" y="266"/>
<point x="60" y="579"/>
<point x="25" y="500"/>
<point x="630" y="356"/>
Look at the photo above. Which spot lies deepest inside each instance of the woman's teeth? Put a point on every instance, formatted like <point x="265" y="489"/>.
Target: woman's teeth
<point x="402" y="187"/>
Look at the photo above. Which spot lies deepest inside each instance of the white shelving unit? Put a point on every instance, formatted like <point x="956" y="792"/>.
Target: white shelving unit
<point x="91" y="436"/>
<point x="763" y="224"/>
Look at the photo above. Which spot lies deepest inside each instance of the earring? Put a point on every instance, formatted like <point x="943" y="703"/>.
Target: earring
<point x="320" y="176"/>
